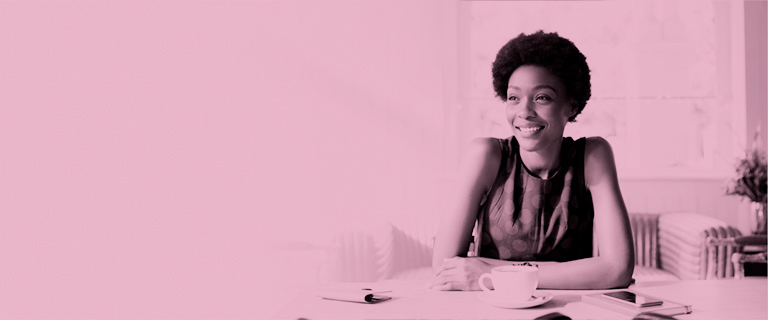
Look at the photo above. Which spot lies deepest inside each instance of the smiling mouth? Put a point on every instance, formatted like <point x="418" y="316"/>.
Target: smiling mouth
<point x="530" y="129"/>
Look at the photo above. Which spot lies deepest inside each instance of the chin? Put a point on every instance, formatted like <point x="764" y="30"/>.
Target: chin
<point x="528" y="145"/>
<point x="533" y="144"/>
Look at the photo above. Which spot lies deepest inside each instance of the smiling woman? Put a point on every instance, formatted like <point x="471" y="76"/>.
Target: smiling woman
<point x="537" y="196"/>
<point x="538" y="114"/>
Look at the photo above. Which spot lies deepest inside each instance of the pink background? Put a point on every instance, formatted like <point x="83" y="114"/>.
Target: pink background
<point x="155" y="155"/>
<point x="151" y="153"/>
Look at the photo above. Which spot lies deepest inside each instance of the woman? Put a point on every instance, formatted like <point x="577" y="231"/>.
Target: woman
<point x="537" y="196"/>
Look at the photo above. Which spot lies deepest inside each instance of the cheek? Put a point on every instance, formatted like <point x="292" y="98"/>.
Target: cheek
<point x="509" y="113"/>
<point x="567" y="113"/>
<point x="560" y="116"/>
<point x="558" y="120"/>
<point x="561" y="123"/>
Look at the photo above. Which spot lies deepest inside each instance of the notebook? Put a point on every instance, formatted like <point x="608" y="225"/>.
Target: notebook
<point x="361" y="296"/>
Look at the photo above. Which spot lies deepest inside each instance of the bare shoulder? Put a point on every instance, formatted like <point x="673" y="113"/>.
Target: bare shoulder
<point x="599" y="163"/>
<point x="597" y="147"/>
<point x="485" y="148"/>
<point x="481" y="162"/>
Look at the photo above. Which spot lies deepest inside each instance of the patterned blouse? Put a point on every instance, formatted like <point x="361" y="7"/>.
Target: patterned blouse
<point x="524" y="217"/>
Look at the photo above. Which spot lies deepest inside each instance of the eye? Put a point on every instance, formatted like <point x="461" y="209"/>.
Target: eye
<point x="512" y="98"/>
<point x="543" y="97"/>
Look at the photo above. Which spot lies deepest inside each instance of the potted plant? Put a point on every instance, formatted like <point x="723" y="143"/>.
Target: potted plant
<point x="750" y="182"/>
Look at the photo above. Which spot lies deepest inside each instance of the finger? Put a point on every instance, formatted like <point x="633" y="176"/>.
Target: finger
<point x="434" y="282"/>
<point x="443" y="287"/>
<point x="445" y="269"/>
<point x="439" y="281"/>
<point x="445" y="277"/>
<point x="448" y="263"/>
<point x="452" y="260"/>
<point x="449" y="282"/>
<point x="440" y="270"/>
<point x="431" y="284"/>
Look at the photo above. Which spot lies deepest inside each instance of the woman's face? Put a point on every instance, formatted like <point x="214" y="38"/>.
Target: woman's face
<point x="537" y="107"/>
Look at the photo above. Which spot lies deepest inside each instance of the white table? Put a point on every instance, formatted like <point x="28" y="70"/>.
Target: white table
<point x="711" y="299"/>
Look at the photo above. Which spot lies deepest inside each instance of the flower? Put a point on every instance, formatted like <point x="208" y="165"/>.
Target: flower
<point x="751" y="180"/>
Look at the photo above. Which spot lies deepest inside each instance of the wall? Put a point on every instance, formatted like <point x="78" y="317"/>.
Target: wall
<point x="755" y="14"/>
<point x="156" y="157"/>
<point x="703" y="196"/>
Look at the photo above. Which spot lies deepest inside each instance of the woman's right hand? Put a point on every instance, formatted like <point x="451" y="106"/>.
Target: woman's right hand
<point x="459" y="273"/>
<point x="476" y="175"/>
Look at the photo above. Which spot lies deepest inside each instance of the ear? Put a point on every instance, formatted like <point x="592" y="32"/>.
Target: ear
<point x="574" y="109"/>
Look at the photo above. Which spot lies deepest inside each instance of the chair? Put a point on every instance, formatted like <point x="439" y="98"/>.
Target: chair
<point x="676" y="243"/>
<point x="757" y="245"/>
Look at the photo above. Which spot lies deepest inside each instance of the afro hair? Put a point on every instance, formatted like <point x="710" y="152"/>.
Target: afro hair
<point x="548" y="50"/>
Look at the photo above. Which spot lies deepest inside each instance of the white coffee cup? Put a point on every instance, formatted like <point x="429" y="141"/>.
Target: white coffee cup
<point x="512" y="282"/>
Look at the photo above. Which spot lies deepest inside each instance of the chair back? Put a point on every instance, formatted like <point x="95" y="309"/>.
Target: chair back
<point x="683" y="246"/>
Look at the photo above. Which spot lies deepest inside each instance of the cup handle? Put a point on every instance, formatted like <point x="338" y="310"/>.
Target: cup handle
<point x="481" y="281"/>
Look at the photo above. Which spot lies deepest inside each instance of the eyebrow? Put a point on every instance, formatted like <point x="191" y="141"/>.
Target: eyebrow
<point x="541" y="86"/>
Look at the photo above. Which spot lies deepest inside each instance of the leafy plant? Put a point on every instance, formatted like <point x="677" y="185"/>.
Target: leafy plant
<point x="751" y="177"/>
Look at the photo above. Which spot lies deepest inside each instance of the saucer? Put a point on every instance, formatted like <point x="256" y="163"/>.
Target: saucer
<point x="538" y="298"/>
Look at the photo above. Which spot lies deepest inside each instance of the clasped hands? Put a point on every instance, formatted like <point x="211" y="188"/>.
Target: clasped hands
<point x="459" y="273"/>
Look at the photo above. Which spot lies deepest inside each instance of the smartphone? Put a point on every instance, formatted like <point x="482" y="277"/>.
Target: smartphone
<point x="633" y="299"/>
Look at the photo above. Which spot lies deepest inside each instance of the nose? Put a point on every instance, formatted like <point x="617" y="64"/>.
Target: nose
<point x="527" y="110"/>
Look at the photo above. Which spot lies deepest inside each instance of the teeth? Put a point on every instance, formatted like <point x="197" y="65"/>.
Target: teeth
<point x="530" y="129"/>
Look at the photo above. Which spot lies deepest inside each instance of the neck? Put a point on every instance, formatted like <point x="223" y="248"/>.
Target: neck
<point x="544" y="162"/>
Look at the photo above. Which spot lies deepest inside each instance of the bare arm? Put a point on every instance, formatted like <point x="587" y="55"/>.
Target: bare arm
<point x="612" y="268"/>
<point x="476" y="174"/>
<point x="615" y="263"/>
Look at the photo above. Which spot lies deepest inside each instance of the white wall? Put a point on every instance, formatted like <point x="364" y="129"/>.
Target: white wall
<point x="153" y="153"/>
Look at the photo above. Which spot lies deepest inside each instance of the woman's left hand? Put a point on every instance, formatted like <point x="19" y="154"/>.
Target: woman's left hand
<point x="459" y="273"/>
